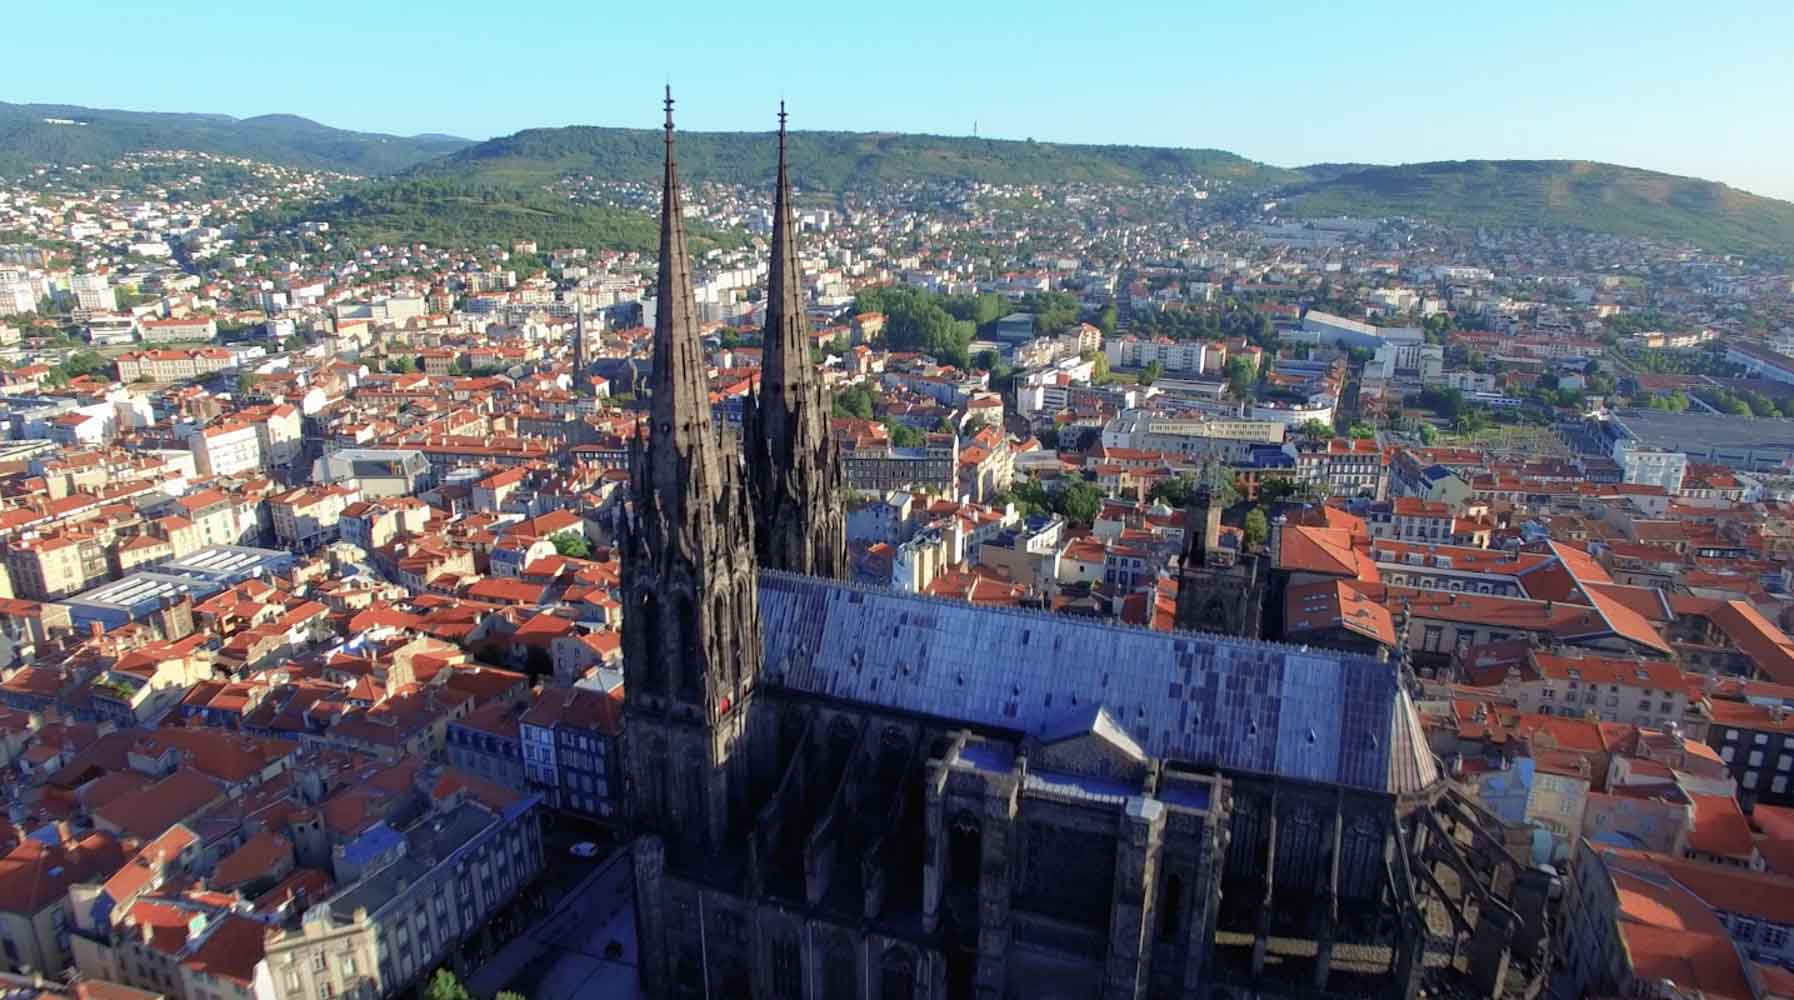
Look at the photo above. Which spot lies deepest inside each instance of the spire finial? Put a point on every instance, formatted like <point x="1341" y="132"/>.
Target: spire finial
<point x="669" y="114"/>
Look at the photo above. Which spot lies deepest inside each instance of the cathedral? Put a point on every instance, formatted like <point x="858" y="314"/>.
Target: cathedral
<point x="847" y="792"/>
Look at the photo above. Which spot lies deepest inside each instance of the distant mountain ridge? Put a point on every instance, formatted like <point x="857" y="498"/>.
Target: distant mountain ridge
<point x="289" y="140"/>
<point x="1555" y="194"/>
<point x="1543" y="194"/>
<point x="1567" y="194"/>
<point x="833" y="161"/>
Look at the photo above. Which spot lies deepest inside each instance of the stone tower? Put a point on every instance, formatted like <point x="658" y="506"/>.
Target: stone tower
<point x="582" y="379"/>
<point x="796" y="471"/>
<point x="1218" y="588"/>
<point x="691" y="632"/>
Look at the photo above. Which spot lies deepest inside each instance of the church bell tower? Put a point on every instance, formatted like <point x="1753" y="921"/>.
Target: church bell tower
<point x="691" y="623"/>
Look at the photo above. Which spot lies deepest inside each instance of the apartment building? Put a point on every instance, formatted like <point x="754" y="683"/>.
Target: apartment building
<point x="176" y="331"/>
<point x="279" y="430"/>
<point x="35" y="877"/>
<point x="53" y="567"/>
<point x="307" y="517"/>
<point x="570" y="738"/>
<point x="172" y="365"/>
<point x="226" y="449"/>
<point x="414" y="896"/>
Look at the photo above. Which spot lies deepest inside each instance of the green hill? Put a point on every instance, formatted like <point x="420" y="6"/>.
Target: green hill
<point x="500" y="182"/>
<point x="1556" y="194"/>
<point x="451" y="213"/>
<point x="832" y="161"/>
<point x="103" y="136"/>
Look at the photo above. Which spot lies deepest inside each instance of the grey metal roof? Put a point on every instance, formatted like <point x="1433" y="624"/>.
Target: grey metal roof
<point x="1322" y="715"/>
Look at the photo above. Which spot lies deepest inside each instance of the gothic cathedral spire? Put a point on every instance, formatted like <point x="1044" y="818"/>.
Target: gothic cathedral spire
<point x="691" y="622"/>
<point x="582" y="380"/>
<point x="796" y="471"/>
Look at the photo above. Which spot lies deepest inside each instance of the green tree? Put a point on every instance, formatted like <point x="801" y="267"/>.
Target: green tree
<point x="572" y="546"/>
<point x="1099" y="371"/>
<point x="1429" y="435"/>
<point x="444" y="986"/>
<point x="917" y="320"/>
<point x="1030" y="497"/>
<point x="1151" y="373"/>
<point x="1314" y="430"/>
<point x="1242" y="374"/>
<point x="1673" y="402"/>
<point x="1054" y="312"/>
<point x="245" y="382"/>
<point x="1258" y="528"/>
<point x="401" y="364"/>
<point x="839" y="344"/>
<point x="1172" y="491"/>
<point x="905" y="436"/>
<point x="1080" y="503"/>
<point x="1108" y="319"/>
<point x="1362" y="432"/>
<point x="855" y="401"/>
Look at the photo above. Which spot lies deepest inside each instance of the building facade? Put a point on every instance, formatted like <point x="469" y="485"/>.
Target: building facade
<point x="850" y="792"/>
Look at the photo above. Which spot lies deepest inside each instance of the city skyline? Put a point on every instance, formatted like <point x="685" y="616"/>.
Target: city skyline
<point x="1542" y="84"/>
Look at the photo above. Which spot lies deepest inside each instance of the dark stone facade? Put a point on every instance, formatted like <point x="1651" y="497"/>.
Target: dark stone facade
<point x="800" y="845"/>
<point x="795" y="475"/>
<point x="1218" y="589"/>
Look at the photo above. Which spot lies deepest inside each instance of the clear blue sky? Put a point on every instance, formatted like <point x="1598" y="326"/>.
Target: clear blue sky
<point x="1696" y="88"/>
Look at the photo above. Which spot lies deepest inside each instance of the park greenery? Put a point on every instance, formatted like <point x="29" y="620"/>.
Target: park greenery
<point x="1745" y="403"/>
<point x="917" y="320"/>
<point x="1217" y="323"/>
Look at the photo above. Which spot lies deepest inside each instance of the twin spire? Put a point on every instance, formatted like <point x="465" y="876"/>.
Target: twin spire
<point x="794" y="477"/>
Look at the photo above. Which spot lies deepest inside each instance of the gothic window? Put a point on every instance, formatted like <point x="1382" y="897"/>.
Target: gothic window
<point x="1171" y="902"/>
<point x="897" y="975"/>
<point x="695" y="811"/>
<point x="965" y="853"/>
<point x="691" y="654"/>
<point x="719" y="626"/>
<point x="648" y="614"/>
<point x="1214" y="616"/>
<point x="787" y="968"/>
<point x="1244" y="852"/>
<point x="1362" y="866"/>
<point x="1298" y="856"/>
<point x="660" y="777"/>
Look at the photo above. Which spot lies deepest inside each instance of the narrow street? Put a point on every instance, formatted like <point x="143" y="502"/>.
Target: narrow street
<point x="584" y="949"/>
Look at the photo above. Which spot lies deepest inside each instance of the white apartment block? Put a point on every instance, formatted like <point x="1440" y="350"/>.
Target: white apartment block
<point x="1650" y="466"/>
<point x="226" y="449"/>
<point x="1171" y="355"/>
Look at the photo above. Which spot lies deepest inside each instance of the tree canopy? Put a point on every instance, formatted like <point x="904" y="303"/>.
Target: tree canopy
<point x="572" y="546"/>
<point x="917" y="320"/>
<point x="856" y="401"/>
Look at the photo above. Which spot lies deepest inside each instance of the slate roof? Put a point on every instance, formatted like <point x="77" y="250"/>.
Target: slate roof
<point x="1320" y="715"/>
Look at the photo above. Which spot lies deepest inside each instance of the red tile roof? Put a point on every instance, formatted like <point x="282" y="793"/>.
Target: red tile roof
<point x="1720" y="828"/>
